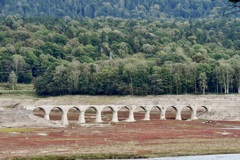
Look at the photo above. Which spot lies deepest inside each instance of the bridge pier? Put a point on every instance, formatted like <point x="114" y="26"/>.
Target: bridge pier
<point x="64" y="119"/>
<point x="46" y="115"/>
<point x="115" y="116"/>
<point x="178" y="115"/>
<point x="194" y="114"/>
<point x="81" y="118"/>
<point x="147" y="115"/>
<point x="98" y="117"/>
<point x="162" y="115"/>
<point x="115" y="109"/>
<point x="131" y="116"/>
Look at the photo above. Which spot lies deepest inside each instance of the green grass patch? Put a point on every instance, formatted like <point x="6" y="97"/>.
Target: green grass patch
<point x="19" y="86"/>
<point x="84" y="156"/>
<point x="21" y="89"/>
<point x="17" y="92"/>
<point x="8" y="130"/>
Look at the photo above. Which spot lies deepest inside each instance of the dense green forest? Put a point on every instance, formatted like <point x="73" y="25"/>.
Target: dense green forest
<point x="131" y="9"/>
<point x="85" y="52"/>
<point x="111" y="56"/>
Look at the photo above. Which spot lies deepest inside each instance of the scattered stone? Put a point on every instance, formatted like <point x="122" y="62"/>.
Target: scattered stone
<point x="17" y="117"/>
<point x="224" y="133"/>
<point x="209" y="122"/>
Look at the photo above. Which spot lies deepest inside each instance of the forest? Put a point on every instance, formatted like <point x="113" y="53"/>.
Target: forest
<point x="127" y="9"/>
<point x="112" y="55"/>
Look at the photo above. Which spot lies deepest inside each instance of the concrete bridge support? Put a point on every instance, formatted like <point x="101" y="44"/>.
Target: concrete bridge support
<point x="81" y="118"/>
<point x="47" y="111"/>
<point x="194" y="113"/>
<point x="64" y="119"/>
<point x="98" y="117"/>
<point x="147" y="115"/>
<point x="162" y="116"/>
<point x="163" y="110"/>
<point x="115" y="116"/>
<point x="178" y="113"/>
<point x="46" y="115"/>
<point x="115" y="109"/>
<point x="131" y="116"/>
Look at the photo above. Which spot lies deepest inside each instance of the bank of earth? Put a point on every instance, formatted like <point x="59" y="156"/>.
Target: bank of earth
<point x="155" y="138"/>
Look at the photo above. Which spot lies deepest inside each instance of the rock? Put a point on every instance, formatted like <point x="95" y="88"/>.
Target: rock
<point x="23" y="118"/>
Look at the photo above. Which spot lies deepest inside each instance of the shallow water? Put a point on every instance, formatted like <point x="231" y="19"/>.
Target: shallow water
<point x="207" y="157"/>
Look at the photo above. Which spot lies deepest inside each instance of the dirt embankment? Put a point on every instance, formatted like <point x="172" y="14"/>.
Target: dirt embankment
<point x="17" y="117"/>
<point x="12" y="114"/>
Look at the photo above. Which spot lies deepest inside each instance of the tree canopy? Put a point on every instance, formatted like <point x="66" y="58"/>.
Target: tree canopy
<point x="233" y="8"/>
<point x="137" y="9"/>
<point x="234" y="1"/>
<point x="118" y="57"/>
<point x="119" y="47"/>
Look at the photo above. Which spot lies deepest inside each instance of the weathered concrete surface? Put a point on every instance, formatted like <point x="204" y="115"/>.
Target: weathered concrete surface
<point x="115" y="109"/>
<point x="221" y="107"/>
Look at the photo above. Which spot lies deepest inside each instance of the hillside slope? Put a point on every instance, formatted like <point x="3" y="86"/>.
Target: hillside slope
<point x="137" y="9"/>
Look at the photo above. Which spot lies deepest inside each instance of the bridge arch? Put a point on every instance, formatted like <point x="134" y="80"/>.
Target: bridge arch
<point x="155" y="112"/>
<point x="56" y="113"/>
<point x="59" y="113"/>
<point x="107" y="113"/>
<point x="73" y="113"/>
<point x="91" y="114"/>
<point x="140" y="113"/>
<point x="95" y="113"/>
<point x="123" y="113"/>
<point x="171" y="112"/>
<point x="186" y="112"/>
<point x="200" y="110"/>
<point x="39" y="112"/>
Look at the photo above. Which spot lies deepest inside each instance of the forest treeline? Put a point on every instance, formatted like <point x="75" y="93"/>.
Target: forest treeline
<point x="109" y="56"/>
<point x="128" y="9"/>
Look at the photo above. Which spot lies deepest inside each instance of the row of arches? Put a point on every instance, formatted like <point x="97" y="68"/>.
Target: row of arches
<point x="125" y="113"/>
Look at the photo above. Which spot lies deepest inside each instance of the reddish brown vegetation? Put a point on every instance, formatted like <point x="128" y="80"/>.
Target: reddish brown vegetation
<point x="153" y="137"/>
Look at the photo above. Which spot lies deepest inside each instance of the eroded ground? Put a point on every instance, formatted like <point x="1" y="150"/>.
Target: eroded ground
<point x="153" y="138"/>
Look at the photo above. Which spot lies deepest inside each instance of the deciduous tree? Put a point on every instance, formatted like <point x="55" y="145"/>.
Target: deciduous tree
<point x="203" y="82"/>
<point x="12" y="79"/>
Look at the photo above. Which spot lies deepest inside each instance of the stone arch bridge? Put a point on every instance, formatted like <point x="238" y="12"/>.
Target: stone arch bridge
<point x="115" y="109"/>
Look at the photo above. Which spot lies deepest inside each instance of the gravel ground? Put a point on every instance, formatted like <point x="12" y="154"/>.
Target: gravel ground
<point x="17" y="117"/>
